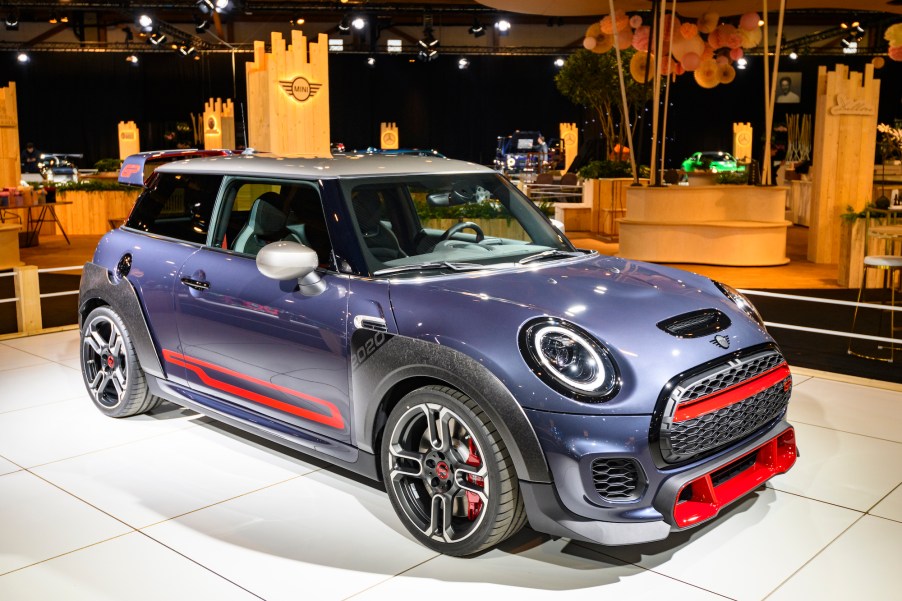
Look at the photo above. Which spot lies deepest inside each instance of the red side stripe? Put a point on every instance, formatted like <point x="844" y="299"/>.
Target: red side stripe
<point x="731" y="395"/>
<point x="333" y="419"/>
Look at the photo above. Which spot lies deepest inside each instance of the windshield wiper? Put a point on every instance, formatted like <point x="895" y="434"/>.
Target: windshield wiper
<point x="554" y="253"/>
<point x="431" y="266"/>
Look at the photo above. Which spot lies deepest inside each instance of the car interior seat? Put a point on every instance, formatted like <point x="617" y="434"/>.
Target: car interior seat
<point x="266" y="223"/>
<point x="380" y="240"/>
<point x="306" y="222"/>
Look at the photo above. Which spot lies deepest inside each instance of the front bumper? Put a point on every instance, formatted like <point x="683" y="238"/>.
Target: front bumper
<point x="675" y="499"/>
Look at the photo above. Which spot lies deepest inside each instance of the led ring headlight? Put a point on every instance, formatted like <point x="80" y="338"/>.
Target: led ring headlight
<point x="569" y="360"/>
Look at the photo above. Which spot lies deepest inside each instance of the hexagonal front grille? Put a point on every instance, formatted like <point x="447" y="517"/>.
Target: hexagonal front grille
<point x="723" y="405"/>
<point x="616" y="479"/>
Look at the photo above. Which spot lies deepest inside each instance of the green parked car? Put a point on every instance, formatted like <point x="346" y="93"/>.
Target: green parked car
<point x="714" y="161"/>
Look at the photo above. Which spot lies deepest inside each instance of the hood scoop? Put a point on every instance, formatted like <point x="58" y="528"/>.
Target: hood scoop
<point x="695" y="323"/>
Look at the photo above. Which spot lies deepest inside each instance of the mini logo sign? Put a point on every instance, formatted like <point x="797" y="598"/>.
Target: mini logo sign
<point x="851" y="106"/>
<point x="300" y="89"/>
<point x="721" y="341"/>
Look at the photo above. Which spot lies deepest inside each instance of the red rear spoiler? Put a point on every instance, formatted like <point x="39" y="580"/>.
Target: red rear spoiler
<point x="138" y="167"/>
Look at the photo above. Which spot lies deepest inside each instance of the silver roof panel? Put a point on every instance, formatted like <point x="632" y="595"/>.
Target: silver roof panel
<point x="349" y="165"/>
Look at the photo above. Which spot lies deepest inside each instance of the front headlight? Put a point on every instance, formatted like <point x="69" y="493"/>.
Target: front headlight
<point x="741" y="301"/>
<point x="569" y="360"/>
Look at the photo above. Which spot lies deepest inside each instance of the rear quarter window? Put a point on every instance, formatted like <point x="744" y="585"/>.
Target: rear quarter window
<point x="177" y="206"/>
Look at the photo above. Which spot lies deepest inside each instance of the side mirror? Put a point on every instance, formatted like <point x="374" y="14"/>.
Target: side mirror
<point x="290" y="260"/>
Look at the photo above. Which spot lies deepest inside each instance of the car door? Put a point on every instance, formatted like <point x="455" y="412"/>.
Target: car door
<point x="169" y="223"/>
<point x="256" y="345"/>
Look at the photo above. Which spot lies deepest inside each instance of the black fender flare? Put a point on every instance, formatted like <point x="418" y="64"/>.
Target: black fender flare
<point x="120" y="295"/>
<point x="381" y="361"/>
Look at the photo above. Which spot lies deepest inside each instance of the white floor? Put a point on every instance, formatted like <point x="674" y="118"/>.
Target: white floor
<point x="173" y="506"/>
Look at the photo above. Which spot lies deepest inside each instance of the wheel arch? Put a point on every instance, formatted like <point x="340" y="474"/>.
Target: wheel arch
<point x="400" y="365"/>
<point x="98" y="289"/>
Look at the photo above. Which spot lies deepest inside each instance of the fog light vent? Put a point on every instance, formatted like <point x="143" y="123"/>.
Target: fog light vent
<point x="617" y="479"/>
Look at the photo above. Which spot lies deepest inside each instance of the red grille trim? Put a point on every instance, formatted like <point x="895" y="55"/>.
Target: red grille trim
<point x="729" y="396"/>
<point x="705" y="499"/>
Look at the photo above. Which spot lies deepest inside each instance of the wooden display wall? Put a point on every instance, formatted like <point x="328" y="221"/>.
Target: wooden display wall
<point x="742" y="141"/>
<point x="10" y="167"/>
<point x="570" y="141"/>
<point x="845" y="136"/>
<point x="288" y="96"/>
<point x="219" y="124"/>
<point x="388" y="136"/>
<point x="129" y="140"/>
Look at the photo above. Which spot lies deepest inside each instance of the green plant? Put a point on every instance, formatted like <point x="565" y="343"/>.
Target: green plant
<point x="108" y="165"/>
<point x="851" y="214"/>
<point x="92" y="185"/>
<point x="599" y="169"/>
<point x="591" y="79"/>
<point x="736" y="178"/>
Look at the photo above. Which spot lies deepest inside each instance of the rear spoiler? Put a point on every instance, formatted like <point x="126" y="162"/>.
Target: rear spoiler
<point x="137" y="168"/>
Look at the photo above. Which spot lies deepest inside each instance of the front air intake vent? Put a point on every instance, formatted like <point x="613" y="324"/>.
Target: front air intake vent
<point x="695" y="324"/>
<point x="617" y="479"/>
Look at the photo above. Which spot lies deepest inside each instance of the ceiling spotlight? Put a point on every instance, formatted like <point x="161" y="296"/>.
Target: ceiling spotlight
<point x="463" y="62"/>
<point x="344" y="26"/>
<point x="852" y="25"/>
<point x="200" y="24"/>
<point x="760" y="22"/>
<point x="503" y="26"/>
<point x="742" y="63"/>
<point x="53" y="19"/>
<point x="157" y="38"/>
<point x="558" y="62"/>
<point x="64" y="19"/>
<point x="185" y="50"/>
<point x="371" y="61"/>
<point x="428" y="41"/>
<point x="12" y="21"/>
<point x="23" y="58"/>
<point x="132" y="59"/>
<point x="850" y="46"/>
<point x="793" y="54"/>
<point x="427" y="56"/>
<point x="221" y="5"/>
<point x="478" y="29"/>
<point x="145" y="22"/>
<point x="298" y="20"/>
<point x="358" y="23"/>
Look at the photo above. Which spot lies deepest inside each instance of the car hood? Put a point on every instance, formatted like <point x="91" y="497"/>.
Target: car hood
<point x="618" y="301"/>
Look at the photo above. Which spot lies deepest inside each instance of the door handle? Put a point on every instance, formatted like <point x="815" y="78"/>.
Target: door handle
<point x="196" y="284"/>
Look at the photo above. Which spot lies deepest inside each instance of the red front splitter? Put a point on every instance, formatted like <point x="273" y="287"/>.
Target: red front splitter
<point x="703" y="498"/>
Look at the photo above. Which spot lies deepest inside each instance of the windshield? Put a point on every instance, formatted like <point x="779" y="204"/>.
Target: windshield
<point x="440" y="220"/>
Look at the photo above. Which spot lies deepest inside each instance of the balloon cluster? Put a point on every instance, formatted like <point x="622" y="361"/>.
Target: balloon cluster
<point x="893" y="35"/>
<point x="706" y="48"/>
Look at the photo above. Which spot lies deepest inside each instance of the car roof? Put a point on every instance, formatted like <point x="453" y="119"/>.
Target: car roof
<point x="349" y="165"/>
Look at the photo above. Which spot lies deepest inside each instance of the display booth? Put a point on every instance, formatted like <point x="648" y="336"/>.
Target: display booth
<point x="288" y="96"/>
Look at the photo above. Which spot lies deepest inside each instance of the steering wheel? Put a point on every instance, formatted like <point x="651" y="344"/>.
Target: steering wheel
<point x="463" y="225"/>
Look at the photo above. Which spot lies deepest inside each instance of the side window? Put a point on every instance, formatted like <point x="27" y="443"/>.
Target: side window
<point x="257" y="213"/>
<point x="177" y="205"/>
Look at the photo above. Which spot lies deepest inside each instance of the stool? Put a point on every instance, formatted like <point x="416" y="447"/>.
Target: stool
<point x="889" y="265"/>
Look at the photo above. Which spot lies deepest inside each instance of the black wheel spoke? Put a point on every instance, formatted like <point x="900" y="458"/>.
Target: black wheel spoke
<point x="440" y="522"/>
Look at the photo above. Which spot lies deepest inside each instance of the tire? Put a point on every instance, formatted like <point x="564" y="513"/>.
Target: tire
<point x="110" y="367"/>
<point x="462" y="464"/>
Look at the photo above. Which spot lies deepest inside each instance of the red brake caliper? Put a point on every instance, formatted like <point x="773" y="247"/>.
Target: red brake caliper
<point x="474" y="503"/>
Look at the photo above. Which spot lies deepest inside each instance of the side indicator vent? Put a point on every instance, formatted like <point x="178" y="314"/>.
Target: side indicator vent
<point x="370" y="323"/>
<point x="696" y="323"/>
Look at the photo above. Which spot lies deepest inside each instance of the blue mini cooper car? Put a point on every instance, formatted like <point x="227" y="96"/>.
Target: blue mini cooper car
<point x="419" y="321"/>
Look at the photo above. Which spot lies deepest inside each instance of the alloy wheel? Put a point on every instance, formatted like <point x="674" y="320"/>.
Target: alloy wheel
<point x="438" y="473"/>
<point x="105" y="361"/>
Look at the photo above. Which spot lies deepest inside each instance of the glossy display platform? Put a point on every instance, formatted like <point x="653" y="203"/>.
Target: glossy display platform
<point x="172" y="506"/>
